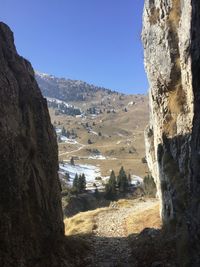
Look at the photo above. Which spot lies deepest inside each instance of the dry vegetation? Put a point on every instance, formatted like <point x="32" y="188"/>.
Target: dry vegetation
<point x="140" y="220"/>
<point x="144" y="216"/>
<point x="121" y="140"/>
<point x="143" y="233"/>
<point x="83" y="223"/>
<point x="175" y="13"/>
<point x="154" y="16"/>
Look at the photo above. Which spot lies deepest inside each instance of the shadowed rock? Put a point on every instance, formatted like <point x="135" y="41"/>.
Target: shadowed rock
<point x="30" y="207"/>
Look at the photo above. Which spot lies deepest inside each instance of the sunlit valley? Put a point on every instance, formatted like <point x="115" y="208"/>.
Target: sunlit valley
<point x="100" y="135"/>
<point x="100" y="167"/>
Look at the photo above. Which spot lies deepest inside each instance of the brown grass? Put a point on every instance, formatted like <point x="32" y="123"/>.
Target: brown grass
<point x="175" y="13"/>
<point x="149" y="218"/>
<point x="131" y="124"/>
<point x="176" y="101"/>
<point x="154" y="17"/>
<point x="83" y="223"/>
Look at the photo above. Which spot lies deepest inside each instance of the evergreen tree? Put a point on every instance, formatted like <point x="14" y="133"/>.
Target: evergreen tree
<point x="67" y="176"/>
<point x="108" y="192"/>
<point x="122" y="181"/>
<point x="67" y="134"/>
<point x="112" y="182"/>
<point x="110" y="189"/>
<point x="72" y="161"/>
<point x="96" y="193"/>
<point x="75" y="186"/>
<point x="81" y="183"/>
<point x="64" y="133"/>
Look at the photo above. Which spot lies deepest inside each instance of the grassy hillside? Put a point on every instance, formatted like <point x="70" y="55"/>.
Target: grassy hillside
<point x="104" y="128"/>
<point x="116" y="134"/>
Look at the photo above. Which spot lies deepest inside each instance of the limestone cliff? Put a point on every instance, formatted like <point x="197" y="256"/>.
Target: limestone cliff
<point x="30" y="208"/>
<point x="171" y="38"/>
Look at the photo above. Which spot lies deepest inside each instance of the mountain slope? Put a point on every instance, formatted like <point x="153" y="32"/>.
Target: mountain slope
<point x="67" y="89"/>
<point x="113" y="123"/>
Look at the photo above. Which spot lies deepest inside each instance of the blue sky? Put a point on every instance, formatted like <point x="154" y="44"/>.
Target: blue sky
<point x="97" y="41"/>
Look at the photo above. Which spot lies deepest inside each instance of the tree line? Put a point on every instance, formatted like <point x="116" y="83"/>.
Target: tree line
<point x="119" y="184"/>
<point x="79" y="184"/>
<point x="62" y="108"/>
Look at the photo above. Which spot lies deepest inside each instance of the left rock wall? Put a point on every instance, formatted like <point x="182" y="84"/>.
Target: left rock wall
<point x="30" y="202"/>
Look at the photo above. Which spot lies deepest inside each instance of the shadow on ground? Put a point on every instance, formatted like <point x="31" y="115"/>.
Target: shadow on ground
<point x="150" y="248"/>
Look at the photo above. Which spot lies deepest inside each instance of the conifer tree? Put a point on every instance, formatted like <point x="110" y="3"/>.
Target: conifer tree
<point x="67" y="176"/>
<point x="122" y="181"/>
<point x="63" y="131"/>
<point x="110" y="188"/>
<point x="96" y="191"/>
<point x="81" y="183"/>
<point x="72" y="161"/>
<point x="76" y="184"/>
<point x="112" y="182"/>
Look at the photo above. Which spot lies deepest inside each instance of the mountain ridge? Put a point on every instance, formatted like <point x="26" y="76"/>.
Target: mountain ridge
<point x="66" y="89"/>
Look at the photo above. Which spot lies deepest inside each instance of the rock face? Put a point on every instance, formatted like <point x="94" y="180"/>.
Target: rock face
<point x="171" y="38"/>
<point x="30" y="207"/>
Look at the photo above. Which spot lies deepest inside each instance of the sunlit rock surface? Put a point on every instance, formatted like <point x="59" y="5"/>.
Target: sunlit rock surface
<point x="171" y="38"/>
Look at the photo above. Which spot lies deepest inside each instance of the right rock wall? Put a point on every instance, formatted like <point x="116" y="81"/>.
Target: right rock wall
<point x="171" y="38"/>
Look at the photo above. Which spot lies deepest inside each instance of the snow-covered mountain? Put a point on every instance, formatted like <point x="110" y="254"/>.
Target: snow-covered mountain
<point x="67" y="89"/>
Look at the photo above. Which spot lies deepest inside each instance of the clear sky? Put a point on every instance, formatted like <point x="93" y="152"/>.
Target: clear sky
<point x="97" y="41"/>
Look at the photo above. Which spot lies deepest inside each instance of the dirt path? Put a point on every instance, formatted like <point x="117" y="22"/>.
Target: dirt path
<point x="73" y="151"/>
<point x="110" y="243"/>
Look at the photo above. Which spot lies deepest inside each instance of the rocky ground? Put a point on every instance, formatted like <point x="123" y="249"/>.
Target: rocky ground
<point x="110" y="243"/>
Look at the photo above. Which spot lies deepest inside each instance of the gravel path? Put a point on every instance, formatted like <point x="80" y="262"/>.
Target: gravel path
<point x="110" y="243"/>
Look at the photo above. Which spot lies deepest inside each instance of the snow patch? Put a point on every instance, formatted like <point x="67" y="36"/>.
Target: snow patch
<point x="100" y="157"/>
<point x="93" y="132"/>
<point x="57" y="101"/>
<point x="136" y="180"/>
<point x="90" y="171"/>
<point x="68" y="140"/>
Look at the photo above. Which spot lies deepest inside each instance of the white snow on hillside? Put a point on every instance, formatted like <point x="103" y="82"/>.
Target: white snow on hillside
<point x="100" y="157"/>
<point x="57" y="101"/>
<point x="93" y="132"/>
<point x="58" y="130"/>
<point x="90" y="171"/>
<point x="136" y="180"/>
<point x="68" y="140"/>
<point x="44" y="75"/>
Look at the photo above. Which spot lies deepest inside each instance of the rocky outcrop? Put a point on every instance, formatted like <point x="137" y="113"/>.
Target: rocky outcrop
<point x="171" y="37"/>
<point x="30" y="203"/>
